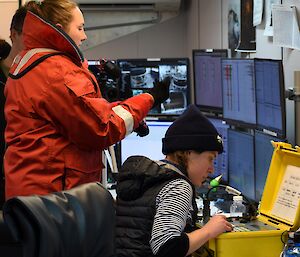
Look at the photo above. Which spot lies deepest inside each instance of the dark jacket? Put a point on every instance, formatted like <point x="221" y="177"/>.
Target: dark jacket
<point x="140" y="180"/>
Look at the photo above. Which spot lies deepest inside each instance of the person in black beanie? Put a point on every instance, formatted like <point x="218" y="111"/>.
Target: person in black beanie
<point x="156" y="207"/>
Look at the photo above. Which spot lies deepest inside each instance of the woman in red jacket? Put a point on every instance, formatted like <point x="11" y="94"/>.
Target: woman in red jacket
<point x="57" y="121"/>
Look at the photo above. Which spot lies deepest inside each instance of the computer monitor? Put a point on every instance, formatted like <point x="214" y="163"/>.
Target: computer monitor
<point x="241" y="162"/>
<point x="270" y="96"/>
<point x="149" y="146"/>
<point x="221" y="162"/>
<point x="239" y="101"/>
<point x="263" y="156"/>
<point x="208" y="79"/>
<point x="138" y="75"/>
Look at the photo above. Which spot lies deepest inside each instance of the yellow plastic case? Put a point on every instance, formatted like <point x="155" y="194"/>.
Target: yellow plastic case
<point x="275" y="210"/>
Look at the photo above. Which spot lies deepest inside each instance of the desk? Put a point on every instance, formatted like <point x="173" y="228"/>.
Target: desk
<point x="262" y="242"/>
<point x="259" y="243"/>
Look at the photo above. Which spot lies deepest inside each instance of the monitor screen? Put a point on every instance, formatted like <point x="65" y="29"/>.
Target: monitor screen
<point x="208" y="79"/>
<point x="149" y="146"/>
<point x="221" y="162"/>
<point x="138" y="75"/>
<point x="263" y="155"/>
<point x="241" y="162"/>
<point x="239" y="101"/>
<point x="270" y="98"/>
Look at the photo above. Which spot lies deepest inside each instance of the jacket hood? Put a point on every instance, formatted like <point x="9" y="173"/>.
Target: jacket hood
<point x="137" y="175"/>
<point x="39" y="33"/>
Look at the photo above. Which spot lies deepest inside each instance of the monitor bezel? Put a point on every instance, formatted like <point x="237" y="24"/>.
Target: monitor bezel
<point x="249" y="132"/>
<point x="256" y="133"/>
<point x="222" y="53"/>
<point x="219" y="118"/>
<point x="270" y="130"/>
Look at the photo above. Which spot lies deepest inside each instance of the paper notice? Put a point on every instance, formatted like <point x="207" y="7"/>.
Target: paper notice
<point x="285" y="26"/>
<point x="268" y="13"/>
<point x="288" y="196"/>
<point x="257" y="11"/>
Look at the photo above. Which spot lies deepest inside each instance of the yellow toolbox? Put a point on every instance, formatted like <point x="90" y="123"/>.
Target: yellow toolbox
<point x="279" y="211"/>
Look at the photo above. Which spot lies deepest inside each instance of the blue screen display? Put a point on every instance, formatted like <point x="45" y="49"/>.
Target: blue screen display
<point x="263" y="155"/>
<point x="221" y="162"/>
<point x="239" y="101"/>
<point x="241" y="162"/>
<point x="270" y="95"/>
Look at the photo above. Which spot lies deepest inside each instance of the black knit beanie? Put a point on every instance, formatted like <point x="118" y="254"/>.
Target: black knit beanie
<point x="192" y="131"/>
<point x="4" y="49"/>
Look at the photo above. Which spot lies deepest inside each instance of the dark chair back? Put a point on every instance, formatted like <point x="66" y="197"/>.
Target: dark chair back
<point x="9" y="247"/>
<point x="79" y="222"/>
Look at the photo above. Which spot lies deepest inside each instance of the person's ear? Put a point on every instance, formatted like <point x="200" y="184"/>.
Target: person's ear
<point x="59" y="25"/>
<point x="13" y="34"/>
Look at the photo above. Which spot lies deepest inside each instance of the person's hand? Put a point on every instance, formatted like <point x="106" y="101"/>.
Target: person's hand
<point x="160" y="90"/>
<point x="217" y="225"/>
<point x="142" y="130"/>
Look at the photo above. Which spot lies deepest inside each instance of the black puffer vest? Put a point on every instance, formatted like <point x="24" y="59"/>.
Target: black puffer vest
<point x="139" y="183"/>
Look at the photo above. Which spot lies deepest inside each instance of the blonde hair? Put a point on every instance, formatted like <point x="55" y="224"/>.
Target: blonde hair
<point x="54" y="11"/>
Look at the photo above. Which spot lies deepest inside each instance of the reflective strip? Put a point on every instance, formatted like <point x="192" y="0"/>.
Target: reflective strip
<point x="27" y="56"/>
<point x="126" y="117"/>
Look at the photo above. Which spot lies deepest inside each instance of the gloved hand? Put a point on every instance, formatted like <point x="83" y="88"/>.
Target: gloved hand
<point x="160" y="90"/>
<point x="142" y="130"/>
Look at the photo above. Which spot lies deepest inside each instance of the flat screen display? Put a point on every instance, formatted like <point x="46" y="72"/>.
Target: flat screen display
<point x="221" y="162"/>
<point x="138" y="76"/>
<point x="270" y="98"/>
<point x="208" y="79"/>
<point x="239" y="96"/>
<point x="149" y="146"/>
<point x="241" y="162"/>
<point x="263" y="156"/>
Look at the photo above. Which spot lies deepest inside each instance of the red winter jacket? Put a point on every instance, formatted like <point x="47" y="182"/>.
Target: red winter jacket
<point x="57" y="122"/>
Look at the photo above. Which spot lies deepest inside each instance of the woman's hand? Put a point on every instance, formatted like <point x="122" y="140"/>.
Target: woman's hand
<point x="217" y="225"/>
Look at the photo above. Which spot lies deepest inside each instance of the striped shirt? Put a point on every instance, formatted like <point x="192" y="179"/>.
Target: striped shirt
<point x="173" y="209"/>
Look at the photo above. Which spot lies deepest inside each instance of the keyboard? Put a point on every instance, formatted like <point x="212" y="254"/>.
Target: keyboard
<point x="240" y="229"/>
<point x="254" y="225"/>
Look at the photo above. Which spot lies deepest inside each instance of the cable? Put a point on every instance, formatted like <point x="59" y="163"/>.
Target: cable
<point x="228" y="189"/>
<point x="252" y="209"/>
